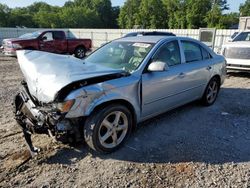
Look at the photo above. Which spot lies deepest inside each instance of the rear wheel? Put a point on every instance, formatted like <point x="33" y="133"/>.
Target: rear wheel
<point x="107" y="129"/>
<point x="211" y="92"/>
<point x="80" y="52"/>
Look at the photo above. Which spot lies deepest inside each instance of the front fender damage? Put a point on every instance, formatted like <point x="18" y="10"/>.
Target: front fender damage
<point x="43" y="120"/>
<point x="33" y="116"/>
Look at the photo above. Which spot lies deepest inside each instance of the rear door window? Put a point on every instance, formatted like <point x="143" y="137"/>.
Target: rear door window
<point x="58" y="35"/>
<point x="192" y="51"/>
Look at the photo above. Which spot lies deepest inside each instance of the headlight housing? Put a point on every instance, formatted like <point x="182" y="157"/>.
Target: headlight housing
<point x="65" y="106"/>
<point x="16" y="46"/>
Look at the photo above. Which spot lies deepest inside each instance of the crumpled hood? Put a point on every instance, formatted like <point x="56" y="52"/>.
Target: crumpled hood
<point x="47" y="73"/>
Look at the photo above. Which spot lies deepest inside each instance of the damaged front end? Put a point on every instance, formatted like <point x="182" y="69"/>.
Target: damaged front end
<point x="34" y="117"/>
<point x="58" y="94"/>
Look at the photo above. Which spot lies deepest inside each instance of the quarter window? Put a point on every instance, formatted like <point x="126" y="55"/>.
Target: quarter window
<point x="169" y="53"/>
<point x="205" y="53"/>
<point x="192" y="51"/>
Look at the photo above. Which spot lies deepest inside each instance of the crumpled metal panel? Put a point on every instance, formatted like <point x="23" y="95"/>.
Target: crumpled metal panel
<point x="46" y="73"/>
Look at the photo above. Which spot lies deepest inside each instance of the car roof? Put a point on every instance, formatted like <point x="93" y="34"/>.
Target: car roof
<point x="151" y="33"/>
<point x="146" y="39"/>
<point x="154" y="39"/>
<point x="48" y="30"/>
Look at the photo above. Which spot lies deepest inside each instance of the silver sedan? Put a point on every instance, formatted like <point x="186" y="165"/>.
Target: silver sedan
<point x="102" y="98"/>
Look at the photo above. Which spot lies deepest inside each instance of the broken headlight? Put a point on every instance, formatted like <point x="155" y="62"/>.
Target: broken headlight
<point x="65" y="106"/>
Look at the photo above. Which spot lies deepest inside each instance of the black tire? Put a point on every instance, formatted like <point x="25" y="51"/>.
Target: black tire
<point x="206" y="100"/>
<point x="94" y="126"/>
<point x="80" y="52"/>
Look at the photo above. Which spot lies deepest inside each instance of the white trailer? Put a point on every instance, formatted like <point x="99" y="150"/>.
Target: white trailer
<point x="244" y="23"/>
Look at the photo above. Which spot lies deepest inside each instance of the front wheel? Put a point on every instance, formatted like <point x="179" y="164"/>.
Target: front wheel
<point x="211" y="92"/>
<point x="107" y="129"/>
<point x="80" y="52"/>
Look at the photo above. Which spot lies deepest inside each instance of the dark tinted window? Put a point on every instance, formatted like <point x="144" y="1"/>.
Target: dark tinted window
<point x="244" y="36"/>
<point x="192" y="51"/>
<point x="58" y="35"/>
<point x="169" y="53"/>
<point x="205" y="53"/>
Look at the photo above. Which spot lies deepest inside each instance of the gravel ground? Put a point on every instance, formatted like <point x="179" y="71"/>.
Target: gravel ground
<point x="192" y="146"/>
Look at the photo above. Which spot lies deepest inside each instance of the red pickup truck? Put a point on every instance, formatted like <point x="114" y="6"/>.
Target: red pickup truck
<point x="54" y="41"/>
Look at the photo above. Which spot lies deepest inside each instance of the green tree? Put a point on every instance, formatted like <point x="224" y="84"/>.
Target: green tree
<point x="222" y="4"/>
<point x="102" y="8"/>
<point x="245" y="8"/>
<point x="20" y="17"/>
<point x="39" y="6"/>
<point x="4" y="15"/>
<point x="228" y="20"/>
<point x="213" y="17"/>
<point x="115" y="15"/>
<point x="46" y="19"/>
<point x="151" y="14"/>
<point x="176" y="10"/>
<point x="79" y="17"/>
<point x="196" y="12"/>
<point x="128" y="14"/>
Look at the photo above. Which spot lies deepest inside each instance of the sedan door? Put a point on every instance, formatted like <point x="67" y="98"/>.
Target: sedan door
<point x="164" y="90"/>
<point x="197" y="69"/>
<point x="60" y="42"/>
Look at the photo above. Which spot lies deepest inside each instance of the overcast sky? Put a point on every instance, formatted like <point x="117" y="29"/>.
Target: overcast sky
<point x="234" y="4"/>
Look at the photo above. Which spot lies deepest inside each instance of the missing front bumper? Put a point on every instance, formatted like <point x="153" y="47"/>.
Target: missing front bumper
<point x="33" y="120"/>
<point x="30" y="119"/>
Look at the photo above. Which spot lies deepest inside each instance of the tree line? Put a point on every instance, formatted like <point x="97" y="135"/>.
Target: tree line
<point x="146" y="14"/>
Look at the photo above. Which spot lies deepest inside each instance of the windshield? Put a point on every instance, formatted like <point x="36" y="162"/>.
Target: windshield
<point x="121" y="55"/>
<point x="30" y="35"/>
<point x="244" y="36"/>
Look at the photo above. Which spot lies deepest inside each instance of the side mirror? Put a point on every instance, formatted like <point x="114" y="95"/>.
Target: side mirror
<point x="230" y="40"/>
<point x="44" y="38"/>
<point x="158" y="66"/>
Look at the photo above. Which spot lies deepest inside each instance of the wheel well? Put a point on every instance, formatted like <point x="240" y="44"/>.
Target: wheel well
<point x="80" y="46"/>
<point x="121" y="102"/>
<point x="217" y="77"/>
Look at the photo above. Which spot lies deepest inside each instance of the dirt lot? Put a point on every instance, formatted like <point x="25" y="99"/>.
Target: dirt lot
<point x="192" y="146"/>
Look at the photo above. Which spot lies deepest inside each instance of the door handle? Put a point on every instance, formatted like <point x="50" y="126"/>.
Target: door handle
<point x="181" y="75"/>
<point x="209" y="68"/>
<point x="41" y="45"/>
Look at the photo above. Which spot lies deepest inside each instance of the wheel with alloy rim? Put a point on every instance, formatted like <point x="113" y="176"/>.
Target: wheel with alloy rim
<point x="80" y="52"/>
<point x="107" y="129"/>
<point x="211" y="92"/>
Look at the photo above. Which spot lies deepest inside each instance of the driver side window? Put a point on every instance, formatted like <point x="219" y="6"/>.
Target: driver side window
<point x="169" y="53"/>
<point x="48" y="36"/>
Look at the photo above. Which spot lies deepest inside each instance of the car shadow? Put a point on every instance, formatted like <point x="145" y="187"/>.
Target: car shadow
<point x="238" y="74"/>
<point x="69" y="154"/>
<point x="192" y="133"/>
